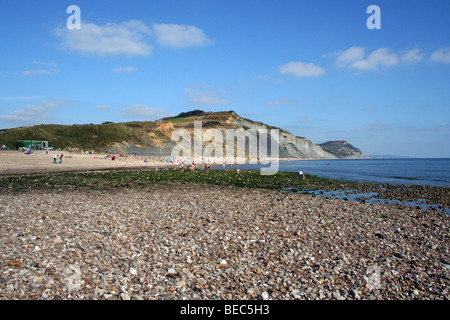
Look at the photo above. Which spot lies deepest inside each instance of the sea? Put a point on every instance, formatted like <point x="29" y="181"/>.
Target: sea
<point x="405" y="171"/>
<point x="431" y="172"/>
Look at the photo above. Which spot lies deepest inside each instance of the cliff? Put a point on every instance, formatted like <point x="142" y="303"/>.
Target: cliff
<point x="342" y="149"/>
<point x="154" y="138"/>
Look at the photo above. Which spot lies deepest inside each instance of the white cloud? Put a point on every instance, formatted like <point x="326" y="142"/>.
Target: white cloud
<point x="42" y="71"/>
<point x="38" y="72"/>
<point x="125" y="69"/>
<point x="265" y="77"/>
<point x="34" y="113"/>
<point x="175" y="35"/>
<point x="129" y="38"/>
<point x="378" y="58"/>
<point x="49" y="64"/>
<point x="370" y="108"/>
<point x="104" y="108"/>
<point x="355" y="58"/>
<point x="140" y="111"/>
<point x="441" y="55"/>
<point x="350" y="56"/>
<point x="411" y="56"/>
<point x="205" y="98"/>
<point x="301" y="69"/>
<point x="126" y="38"/>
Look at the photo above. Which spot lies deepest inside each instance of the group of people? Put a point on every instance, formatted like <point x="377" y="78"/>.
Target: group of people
<point x="56" y="157"/>
<point x="191" y="166"/>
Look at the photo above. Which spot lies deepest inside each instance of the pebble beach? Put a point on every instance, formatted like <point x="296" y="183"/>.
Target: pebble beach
<point x="173" y="241"/>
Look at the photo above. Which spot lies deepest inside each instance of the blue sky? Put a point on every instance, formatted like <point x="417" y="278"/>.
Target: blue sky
<point x="311" y="67"/>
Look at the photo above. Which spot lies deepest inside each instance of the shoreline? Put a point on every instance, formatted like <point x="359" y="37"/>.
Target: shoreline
<point x="17" y="162"/>
<point x="417" y="196"/>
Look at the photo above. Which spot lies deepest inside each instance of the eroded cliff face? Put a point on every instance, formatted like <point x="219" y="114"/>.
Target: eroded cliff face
<point x="222" y="134"/>
<point x="297" y="147"/>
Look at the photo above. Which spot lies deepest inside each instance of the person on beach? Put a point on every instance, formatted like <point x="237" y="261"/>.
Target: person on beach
<point x="60" y="158"/>
<point x="301" y="175"/>
<point x="55" y="158"/>
<point x="207" y="168"/>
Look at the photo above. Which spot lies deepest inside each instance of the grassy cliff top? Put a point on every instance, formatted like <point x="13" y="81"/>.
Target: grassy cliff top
<point x="98" y="136"/>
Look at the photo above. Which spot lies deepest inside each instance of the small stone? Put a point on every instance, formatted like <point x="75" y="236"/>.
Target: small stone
<point x="250" y="291"/>
<point x="125" y="296"/>
<point x="337" y="296"/>
<point x="295" y="293"/>
<point x="107" y="295"/>
<point x="133" y="271"/>
<point x="264" y="295"/>
<point x="171" y="272"/>
<point x="329" y="278"/>
<point x="355" y="294"/>
<point x="58" y="240"/>
<point x="38" y="280"/>
<point x="15" y="263"/>
<point x="223" y="262"/>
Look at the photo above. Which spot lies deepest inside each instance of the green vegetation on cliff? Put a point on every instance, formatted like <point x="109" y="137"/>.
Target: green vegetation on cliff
<point x="341" y="149"/>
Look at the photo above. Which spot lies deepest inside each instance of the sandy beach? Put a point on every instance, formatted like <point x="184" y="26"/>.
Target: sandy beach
<point x="15" y="162"/>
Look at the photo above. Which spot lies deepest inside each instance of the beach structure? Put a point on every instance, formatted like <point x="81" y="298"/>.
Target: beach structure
<point x="34" y="145"/>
